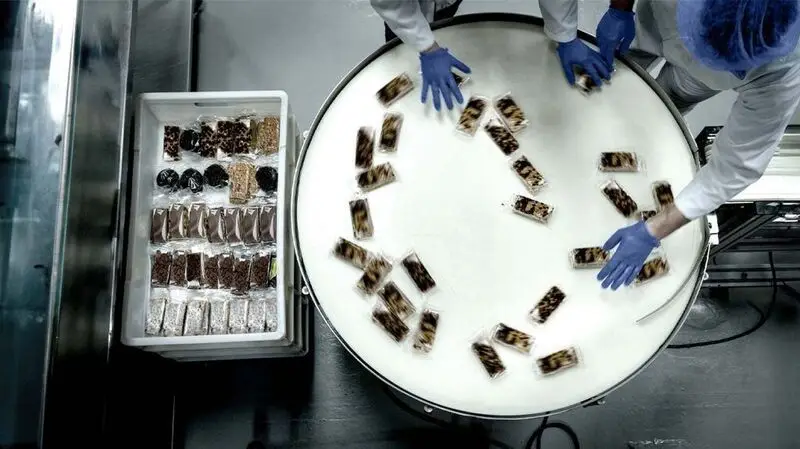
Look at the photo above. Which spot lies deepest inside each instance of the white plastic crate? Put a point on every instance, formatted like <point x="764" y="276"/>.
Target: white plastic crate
<point x="154" y="111"/>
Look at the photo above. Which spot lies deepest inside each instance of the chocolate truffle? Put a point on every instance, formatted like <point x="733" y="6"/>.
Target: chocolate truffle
<point x="216" y="176"/>
<point x="167" y="178"/>
<point x="267" y="178"/>
<point x="192" y="179"/>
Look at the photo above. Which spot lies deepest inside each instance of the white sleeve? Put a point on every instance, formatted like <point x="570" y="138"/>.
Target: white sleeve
<point x="406" y="19"/>
<point x="560" y="19"/>
<point x="742" y="150"/>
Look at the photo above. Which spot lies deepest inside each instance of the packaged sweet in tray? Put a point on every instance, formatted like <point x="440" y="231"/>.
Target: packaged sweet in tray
<point x="174" y="317"/>
<point x="267" y="229"/>
<point x="365" y="147"/>
<point x="159" y="271"/>
<point x="645" y="215"/>
<point x="652" y="269"/>
<point x="177" y="272"/>
<point x="426" y="333"/>
<point x="168" y="180"/>
<point x="249" y="226"/>
<point x="618" y="161"/>
<point x="265" y="135"/>
<point x="375" y="271"/>
<point x="396" y="301"/>
<point x="210" y="274"/>
<point x="489" y="358"/>
<point x="513" y="116"/>
<point x="233" y="137"/>
<point x="267" y="179"/>
<point x="543" y="309"/>
<point x="194" y="269"/>
<point x="178" y="221"/>
<point x="395" y="89"/>
<point x="470" y="118"/>
<point x="584" y="82"/>
<point x="375" y="177"/>
<point x="259" y="271"/>
<point x="237" y="316"/>
<point x="155" y="315"/>
<point x="218" y="316"/>
<point x="528" y="174"/>
<point x="530" y="208"/>
<point x="239" y="174"/>
<point x="256" y="316"/>
<point x="589" y="257"/>
<point x="389" y="322"/>
<point x="662" y="192"/>
<point x="231" y="220"/>
<point x="513" y="338"/>
<point x="501" y="136"/>
<point x="189" y="140"/>
<point x="241" y="275"/>
<point x="619" y="198"/>
<point x="216" y="176"/>
<point x="159" y="223"/>
<point x="558" y="361"/>
<point x="226" y="270"/>
<point x="196" y="317"/>
<point x="351" y="253"/>
<point x="172" y="149"/>
<point x="361" y="219"/>
<point x="273" y="270"/>
<point x="216" y="225"/>
<point x="191" y="180"/>
<point x="198" y="214"/>
<point x="209" y="141"/>
<point x="418" y="273"/>
<point x="390" y="131"/>
<point x="252" y="181"/>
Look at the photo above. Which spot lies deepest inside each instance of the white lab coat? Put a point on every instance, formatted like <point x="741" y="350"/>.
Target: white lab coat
<point x="410" y="19"/>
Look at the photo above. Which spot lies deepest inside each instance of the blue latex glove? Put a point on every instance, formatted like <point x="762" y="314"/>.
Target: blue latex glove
<point x="438" y="77"/>
<point x="615" y="32"/>
<point x="576" y="53"/>
<point x="634" y="243"/>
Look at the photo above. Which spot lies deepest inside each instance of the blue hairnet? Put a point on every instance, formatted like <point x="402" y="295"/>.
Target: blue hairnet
<point x="738" y="35"/>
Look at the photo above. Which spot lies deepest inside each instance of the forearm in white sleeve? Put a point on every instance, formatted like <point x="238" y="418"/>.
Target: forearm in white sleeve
<point x="560" y="19"/>
<point x="406" y="19"/>
<point x="744" y="147"/>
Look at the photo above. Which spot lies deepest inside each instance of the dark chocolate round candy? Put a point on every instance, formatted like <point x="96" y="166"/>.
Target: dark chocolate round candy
<point x="267" y="179"/>
<point x="192" y="179"/>
<point x="167" y="178"/>
<point x="189" y="139"/>
<point x="216" y="176"/>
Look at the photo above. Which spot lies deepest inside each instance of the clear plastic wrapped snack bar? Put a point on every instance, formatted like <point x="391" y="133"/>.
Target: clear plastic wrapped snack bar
<point x="365" y="147"/>
<point x="395" y="300"/>
<point x="395" y="89"/>
<point x="389" y="322"/>
<point x="376" y="270"/>
<point x="375" y="177"/>
<point x="588" y="257"/>
<point x="418" y="273"/>
<point x="351" y="253"/>
<point x="489" y="358"/>
<point x="426" y="333"/>
<point x="619" y="198"/>
<point x="513" y="116"/>
<point x="361" y="219"/>
<point x="390" y="132"/>
<point x="557" y="361"/>
<point x="548" y="304"/>
<point x="513" y="338"/>
<point x="470" y="118"/>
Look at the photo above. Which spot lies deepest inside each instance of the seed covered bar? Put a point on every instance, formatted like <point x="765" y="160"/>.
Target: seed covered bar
<point x="653" y="269"/>
<point x="177" y="272"/>
<point x="389" y="322"/>
<point x="591" y="257"/>
<point x="210" y="278"/>
<point x="558" y="361"/>
<point x="426" y="334"/>
<point x="257" y="316"/>
<point x="218" y="319"/>
<point x="239" y="174"/>
<point x="390" y="131"/>
<point x="511" y="113"/>
<point x="396" y="301"/>
<point x="512" y="338"/>
<point x="501" y="136"/>
<point x="241" y="275"/>
<point x="395" y="89"/>
<point x="265" y="134"/>
<point x="547" y="305"/>
<point x="418" y="273"/>
<point x="619" y="198"/>
<point x="647" y="214"/>
<point x="662" y="192"/>
<point x="619" y="161"/>
<point x="226" y="271"/>
<point x="361" y="219"/>
<point x="375" y="272"/>
<point x="489" y="359"/>
<point x="155" y="316"/>
<point x="471" y="115"/>
<point x="530" y="208"/>
<point x="375" y="177"/>
<point x="237" y="316"/>
<point x="528" y="174"/>
<point x="174" y="317"/>
<point x="196" y="318"/>
<point x="259" y="271"/>
<point x="365" y="147"/>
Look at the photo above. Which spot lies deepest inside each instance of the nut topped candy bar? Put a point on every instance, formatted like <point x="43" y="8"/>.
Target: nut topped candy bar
<point x="528" y="207"/>
<point x="365" y="146"/>
<point x="662" y="192"/>
<point x="619" y="198"/>
<point x="209" y="141"/>
<point x="375" y="271"/>
<point x="558" y="361"/>
<point x="375" y="177"/>
<point x="389" y="322"/>
<point x="619" y="161"/>
<point x="489" y="358"/>
<point x="396" y="301"/>
<point x="531" y="177"/>
<point x="390" y="130"/>
<point x="395" y="89"/>
<point x="172" y="149"/>
<point x="591" y="257"/>
<point x="418" y="273"/>
<point x="501" y="136"/>
<point x="512" y="338"/>
<point x="351" y="253"/>
<point x="361" y="219"/>
<point x="652" y="269"/>
<point x="511" y="113"/>
<point x="471" y="115"/>
<point x="547" y="305"/>
<point x="426" y="334"/>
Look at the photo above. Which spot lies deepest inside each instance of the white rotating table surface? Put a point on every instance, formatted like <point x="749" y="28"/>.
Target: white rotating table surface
<point x="492" y="266"/>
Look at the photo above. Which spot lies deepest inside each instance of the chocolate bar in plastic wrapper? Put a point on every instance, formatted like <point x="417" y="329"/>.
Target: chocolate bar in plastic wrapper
<point x="177" y="271"/>
<point x="501" y="136"/>
<point x="266" y="224"/>
<point x="351" y="253"/>
<point x="470" y="118"/>
<point x="159" y="222"/>
<point x="390" y="132"/>
<point x="361" y="219"/>
<point x="551" y="300"/>
<point x="178" y="221"/>
<point x="155" y="315"/>
<point x="618" y="161"/>
<point x="265" y="135"/>
<point x="375" y="177"/>
<point x="172" y="149"/>
<point x="557" y="361"/>
<point x="194" y="269"/>
<point x="528" y="174"/>
<point x="210" y="273"/>
<point x="389" y="322"/>
<point x="652" y="269"/>
<point x="160" y="269"/>
<point x="249" y="225"/>
<point x="588" y="257"/>
<point x="232" y="219"/>
<point x="513" y="116"/>
<point x="208" y="142"/>
<point x="218" y="316"/>
<point x="396" y="301"/>
<point x="196" y="317"/>
<point x="426" y="333"/>
<point x="512" y="338"/>
<point x="216" y="225"/>
<point x="365" y="147"/>
<point x="375" y="272"/>
<point x="174" y="316"/>
<point x="662" y="193"/>
<point x="530" y="208"/>
<point x="395" y="89"/>
<point x="239" y="174"/>
<point x="645" y="215"/>
<point x="489" y="358"/>
<point x="619" y="198"/>
<point x="237" y="316"/>
<point x="198" y="215"/>
<point x="241" y="275"/>
<point x="259" y="274"/>
<point x="418" y="273"/>
<point x="226" y="271"/>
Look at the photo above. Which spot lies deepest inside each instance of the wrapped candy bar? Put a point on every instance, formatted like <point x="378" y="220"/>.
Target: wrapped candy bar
<point x="528" y="174"/>
<point x="375" y="177"/>
<point x="233" y="138"/>
<point x="396" y="301"/>
<point x="210" y="274"/>
<point x="618" y="161"/>
<point x="273" y="270"/>
<point x="177" y="272"/>
<point x="360" y="219"/>
<point x="547" y="305"/>
<point x="390" y="131"/>
<point x="198" y="214"/>
<point x="591" y="257"/>
<point x="652" y="269"/>
<point x="241" y="275"/>
<point x="351" y="253"/>
<point x="209" y="140"/>
<point x="155" y="316"/>
<point x="426" y="334"/>
<point x="178" y="220"/>
<point x="174" y="317"/>
<point x="237" y="316"/>
<point x="389" y="322"/>
<point x="265" y="135"/>
<point x="513" y="116"/>
<point x="501" y="136"/>
<point x="160" y="269"/>
<point x="194" y="269"/>
<point x="259" y="274"/>
<point x="365" y="147"/>
<point x="530" y="208"/>
<point x="240" y="174"/>
<point x="512" y="338"/>
<point x="558" y="361"/>
<point x="257" y="316"/>
<point x="266" y="224"/>
<point x="489" y="358"/>
<point x="470" y="118"/>
<point x="375" y="272"/>
<point x="216" y="225"/>
<point x="619" y="198"/>
<point x="218" y="316"/>
<point x="226" y="271"/>
<point x="196" y="317"/>
<point x="249" y="225"/>
<point x="418" y="273"/>
<point x="231" y="219"/>
<point x="662" y="192"/>
<point x="394" y="89"/>
<point x="172" y="149"/>
<point x="158" y="225"/>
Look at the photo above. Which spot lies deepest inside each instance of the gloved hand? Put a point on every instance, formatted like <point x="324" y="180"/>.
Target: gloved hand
<point x="437" y="77"/>
<point x="576" y="53"/>
<point x="634" y="243"/>
<point x="615" y="32"/>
